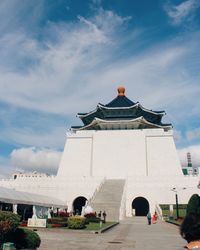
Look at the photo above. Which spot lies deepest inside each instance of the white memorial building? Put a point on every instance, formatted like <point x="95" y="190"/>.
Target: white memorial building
<point x="122" y="160"/>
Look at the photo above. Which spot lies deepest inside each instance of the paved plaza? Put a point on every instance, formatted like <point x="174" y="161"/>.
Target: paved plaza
<point x="132" y="233"/>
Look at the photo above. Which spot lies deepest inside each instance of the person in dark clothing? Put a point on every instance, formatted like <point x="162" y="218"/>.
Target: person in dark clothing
<point x="104" y="216"/>
<point x="99" y="214"/>
<point x="149" y="218"/>
<point x="190" y="231"/>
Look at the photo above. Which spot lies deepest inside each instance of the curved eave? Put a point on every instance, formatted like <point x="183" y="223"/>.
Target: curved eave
<point x="82" y="115"/>
<point x="133" y="106"/>
<point x="101" y="106"/>
<point x="161" y="113"/>
<point x="140" y="120"/>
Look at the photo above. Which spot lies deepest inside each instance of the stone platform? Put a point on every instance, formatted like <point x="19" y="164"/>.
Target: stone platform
<point x="130" y="234"/>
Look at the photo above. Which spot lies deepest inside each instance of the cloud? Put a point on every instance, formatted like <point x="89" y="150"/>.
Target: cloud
<point x="80" y="61"/>
<point x="47" y="73"/>
<point x="181" y="12"/>
<point x="74" y="69"/>
<point x="195" y="155"/>
<point x="32" y="159"/>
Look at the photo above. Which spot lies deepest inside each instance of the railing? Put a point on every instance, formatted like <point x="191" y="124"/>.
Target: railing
<point x="159" y="211"/>
<point x="96" y="191"/>
<point x="122" y="209"/>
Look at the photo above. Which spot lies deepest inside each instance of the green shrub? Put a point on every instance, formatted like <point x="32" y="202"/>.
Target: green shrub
<point x="25" y="239"/>
<point x="194" y="204"/>
<point x="76" y="222"/>
<point x="8" y="224"/>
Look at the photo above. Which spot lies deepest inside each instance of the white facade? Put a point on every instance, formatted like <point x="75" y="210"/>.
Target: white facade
<point x="147" y="159"/>
<point x="120" y="154"/>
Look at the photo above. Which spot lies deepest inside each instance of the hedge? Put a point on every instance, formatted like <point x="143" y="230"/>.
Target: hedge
<point x="76" y="222"/>
<point x="25" y="239"/>
<point x="56" y="220"/>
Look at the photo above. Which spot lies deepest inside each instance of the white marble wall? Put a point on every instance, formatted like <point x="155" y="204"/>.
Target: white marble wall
<point x="120" y="153"/>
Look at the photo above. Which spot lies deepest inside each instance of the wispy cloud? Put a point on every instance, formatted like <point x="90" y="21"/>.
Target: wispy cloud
<point x="55" y="71"/>
<point x="181" y="12"/>
<point x="78" y="66"/>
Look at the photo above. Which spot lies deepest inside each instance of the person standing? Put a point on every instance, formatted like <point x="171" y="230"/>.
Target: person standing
<point x="154" y="218"/>
<point x="104" y="216"/>
<point x="99" y="214"/>
<point x="149" y="218"/>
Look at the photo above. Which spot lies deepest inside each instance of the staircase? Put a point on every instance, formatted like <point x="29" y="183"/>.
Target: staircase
<point x="109" y="198"/>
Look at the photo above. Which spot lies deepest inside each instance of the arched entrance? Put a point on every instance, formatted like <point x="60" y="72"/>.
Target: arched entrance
<point x="78" y="203"/>
<point x="25" y="211"/>
<point x="141" y="206"/>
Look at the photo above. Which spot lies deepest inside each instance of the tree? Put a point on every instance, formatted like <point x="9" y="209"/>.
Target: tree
<point x="194" y="204"/>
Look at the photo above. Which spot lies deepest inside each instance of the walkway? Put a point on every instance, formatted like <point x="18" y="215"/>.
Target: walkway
<point x="132" y="233"/>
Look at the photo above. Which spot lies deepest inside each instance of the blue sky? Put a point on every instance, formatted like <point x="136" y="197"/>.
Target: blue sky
<point x="62" y="57"/>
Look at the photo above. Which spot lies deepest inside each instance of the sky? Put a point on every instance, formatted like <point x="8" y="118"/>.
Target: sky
<point x="62" y="57"/>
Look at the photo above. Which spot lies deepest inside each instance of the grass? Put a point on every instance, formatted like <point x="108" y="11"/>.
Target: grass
<point x="166" y="212"/>
<point x="173" y="219"/>
<point x="182" y="213"/>
<point x="176" y="222"/>
<point x="92" y="226"/>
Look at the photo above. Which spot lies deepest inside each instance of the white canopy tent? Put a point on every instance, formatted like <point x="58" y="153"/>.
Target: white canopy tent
<point x="12" y="196"/>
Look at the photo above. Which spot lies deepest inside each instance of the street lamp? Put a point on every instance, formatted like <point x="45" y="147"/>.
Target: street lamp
<point x="176" y="196"/>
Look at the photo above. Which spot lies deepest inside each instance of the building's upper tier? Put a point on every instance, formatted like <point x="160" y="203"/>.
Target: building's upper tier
<point x="121" y="113"/>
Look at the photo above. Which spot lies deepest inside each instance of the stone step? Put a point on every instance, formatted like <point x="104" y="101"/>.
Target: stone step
<point x="108" y="199"/>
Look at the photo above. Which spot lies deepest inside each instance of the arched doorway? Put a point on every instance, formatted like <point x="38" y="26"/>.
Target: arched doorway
<point x="78" y="203"/>
<point x="25" y="211"/>
<point x="141" y="206"/>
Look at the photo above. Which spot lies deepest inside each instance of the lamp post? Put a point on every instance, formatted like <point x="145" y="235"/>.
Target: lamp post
<point x="177" y="210"/>
<point x="176" y="196"/>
